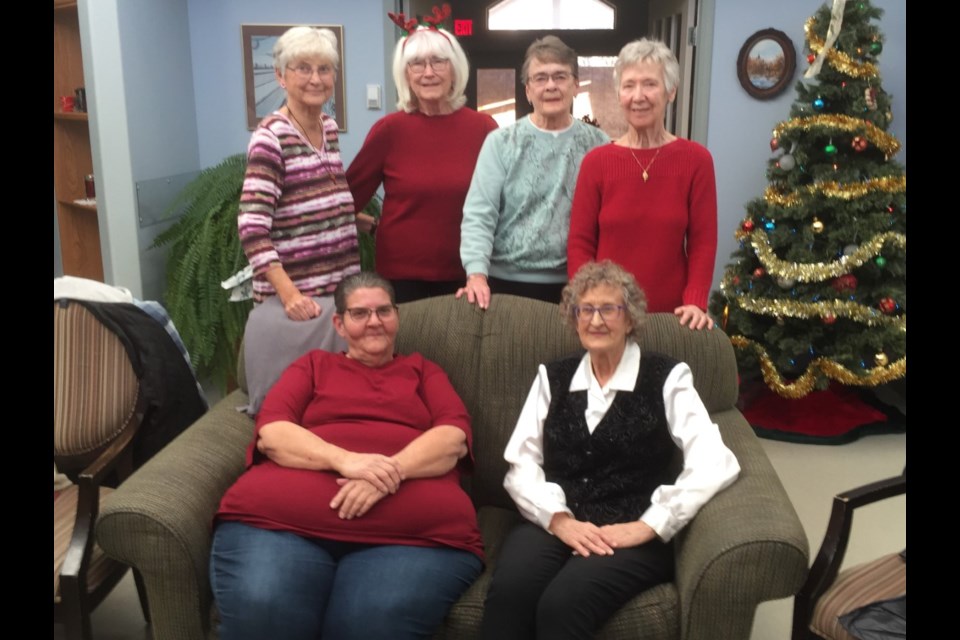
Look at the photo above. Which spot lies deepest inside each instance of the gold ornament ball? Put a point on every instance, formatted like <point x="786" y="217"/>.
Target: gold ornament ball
<point x="881" y="359"/>
<point x="817" y="226"/>
<point x="726" y="315"/>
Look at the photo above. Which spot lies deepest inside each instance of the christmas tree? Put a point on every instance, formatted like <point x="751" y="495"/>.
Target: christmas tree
<point x="817" y="288"/>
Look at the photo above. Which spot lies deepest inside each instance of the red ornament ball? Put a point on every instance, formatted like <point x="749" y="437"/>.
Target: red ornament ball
<point x="747" y="225"/>
<point x="811" y="58"/>
<point x="845" y="283"/>
<point x="828" y="318"/>
<point x="859" y="143"/>
<point x="759" y="272"/>
<point x="736" y="280"/>
<point x="774" y="144"/>
<point x="887" y="305"/>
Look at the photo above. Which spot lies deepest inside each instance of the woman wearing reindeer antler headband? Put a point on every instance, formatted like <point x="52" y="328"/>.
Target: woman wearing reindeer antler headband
<point x="423" y="155"/>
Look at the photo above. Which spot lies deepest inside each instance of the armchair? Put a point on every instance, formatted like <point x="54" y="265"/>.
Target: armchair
<point x="97" y="410"/>
<point x="828" y="593"/>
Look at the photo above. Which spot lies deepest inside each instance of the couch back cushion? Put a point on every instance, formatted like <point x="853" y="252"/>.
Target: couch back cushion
<point x="492" y="356"/>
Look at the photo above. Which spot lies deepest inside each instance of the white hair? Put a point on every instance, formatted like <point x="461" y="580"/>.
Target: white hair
<point x="646" y="50"/>
<point x="423" y="43"/>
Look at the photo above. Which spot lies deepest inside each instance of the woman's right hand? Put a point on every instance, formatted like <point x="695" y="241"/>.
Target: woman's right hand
<point x="583" y="537"/>
<point x="477" y="290"/>
<point x="381" y="471"/>
<point x="355" y="498"/>
<point x="300" y="307"/>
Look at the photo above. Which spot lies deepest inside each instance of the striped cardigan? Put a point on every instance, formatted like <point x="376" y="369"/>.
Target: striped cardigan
<point x="296" y="209"/>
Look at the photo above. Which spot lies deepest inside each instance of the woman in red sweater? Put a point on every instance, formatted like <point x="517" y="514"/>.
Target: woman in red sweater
<point x="423" y="155"/>
<point x="648" y="201"/>
<point x="349" y="520"/>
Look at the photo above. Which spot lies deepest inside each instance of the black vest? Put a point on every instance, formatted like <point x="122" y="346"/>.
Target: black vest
<point x="608" y="476"/>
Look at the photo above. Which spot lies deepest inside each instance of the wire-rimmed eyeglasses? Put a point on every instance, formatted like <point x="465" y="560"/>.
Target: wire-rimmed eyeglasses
<point x="305" y="71"/>
<point x="362" y="314"/>
<point x="585" y="312"/>
<point x="438" y="64"/>
<point x="541" y="79"/>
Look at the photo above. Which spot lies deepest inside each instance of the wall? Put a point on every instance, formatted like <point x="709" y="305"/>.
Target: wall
<point x="739" y="126"/>
<point x="138" y="70"/>
<point x="218" y="64"/>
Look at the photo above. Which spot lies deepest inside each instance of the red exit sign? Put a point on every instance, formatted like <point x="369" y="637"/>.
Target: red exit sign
<point x="463" y="27"/>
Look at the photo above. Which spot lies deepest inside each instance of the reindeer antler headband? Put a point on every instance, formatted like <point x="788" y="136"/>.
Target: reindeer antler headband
<point x="432" y="22"/>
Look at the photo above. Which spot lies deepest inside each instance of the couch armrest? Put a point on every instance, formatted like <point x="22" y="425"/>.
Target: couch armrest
<point x="159" y="520"/>
<point x="746" y="545"/>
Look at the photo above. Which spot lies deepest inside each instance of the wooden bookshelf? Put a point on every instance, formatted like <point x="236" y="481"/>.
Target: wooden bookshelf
<point x="72" y="156"/>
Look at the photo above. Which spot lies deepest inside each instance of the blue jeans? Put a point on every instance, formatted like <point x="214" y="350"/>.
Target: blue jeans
<point x="274" y="584"/>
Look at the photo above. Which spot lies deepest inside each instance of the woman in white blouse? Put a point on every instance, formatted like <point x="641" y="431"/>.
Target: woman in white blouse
<point x="611" y="456"/>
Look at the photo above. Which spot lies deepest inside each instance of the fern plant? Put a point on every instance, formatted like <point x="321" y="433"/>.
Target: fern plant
<point x="204" y="251"/>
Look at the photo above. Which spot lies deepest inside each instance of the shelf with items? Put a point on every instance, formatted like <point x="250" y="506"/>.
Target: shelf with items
<point x="77" y="214"/>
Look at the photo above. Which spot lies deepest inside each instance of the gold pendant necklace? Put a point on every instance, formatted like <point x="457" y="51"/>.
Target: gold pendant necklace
<point x="645" y="175"/>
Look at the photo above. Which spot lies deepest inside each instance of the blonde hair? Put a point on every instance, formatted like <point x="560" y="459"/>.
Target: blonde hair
<point x="305" y="42"/>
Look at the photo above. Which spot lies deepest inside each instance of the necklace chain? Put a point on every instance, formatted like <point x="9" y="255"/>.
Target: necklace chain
<point x="306" y="133"/>
<point x="645" y="175"/>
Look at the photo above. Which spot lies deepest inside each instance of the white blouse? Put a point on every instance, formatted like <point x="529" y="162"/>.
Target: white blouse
<point x="708" y="465"/>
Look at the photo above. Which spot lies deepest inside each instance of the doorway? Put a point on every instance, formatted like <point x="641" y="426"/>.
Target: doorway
<point x="496" y="33"/>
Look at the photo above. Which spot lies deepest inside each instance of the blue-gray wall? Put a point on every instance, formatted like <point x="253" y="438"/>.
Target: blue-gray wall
<point x="218" y="64"/>
<point x="739" y="127"/>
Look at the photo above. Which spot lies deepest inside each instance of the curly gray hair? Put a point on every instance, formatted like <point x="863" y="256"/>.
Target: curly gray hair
<point x="596" y="274"/>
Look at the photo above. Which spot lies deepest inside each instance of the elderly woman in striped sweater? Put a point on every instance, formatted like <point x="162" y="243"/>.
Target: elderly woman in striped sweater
<point x="297" y="221"/>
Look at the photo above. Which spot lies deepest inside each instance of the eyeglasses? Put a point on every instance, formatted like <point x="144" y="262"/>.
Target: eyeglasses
<point x="584" y="313"/>
<point x="362" y="314"/>
<point x="419" y="65"/>
<point x="305" y="71"/>
<point x="541" y="79"/>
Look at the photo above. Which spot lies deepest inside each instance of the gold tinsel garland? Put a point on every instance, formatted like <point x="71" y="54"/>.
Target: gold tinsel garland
<point x="833" y="370"/>
<point x="890" y="184"/>
<point x="837" y="59"/>
<point x="817" y="271"/>
<point x="778" y="307"/>
<point x="841" y="123"/>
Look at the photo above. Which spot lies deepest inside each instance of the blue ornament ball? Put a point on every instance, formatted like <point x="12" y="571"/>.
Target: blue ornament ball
<point x="818" y="104"/>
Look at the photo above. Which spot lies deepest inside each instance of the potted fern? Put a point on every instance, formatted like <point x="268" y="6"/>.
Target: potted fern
<point x="204" y="252"/>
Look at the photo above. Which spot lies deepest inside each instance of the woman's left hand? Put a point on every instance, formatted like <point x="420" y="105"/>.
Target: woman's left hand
<point x="694" y="316"/>
<point x="627" y="534"/>
<point x="366" y="222"/>
<point x="355" y="498"/>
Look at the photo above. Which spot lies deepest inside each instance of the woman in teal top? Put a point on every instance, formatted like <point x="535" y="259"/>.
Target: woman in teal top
<point x="513" y="238"/>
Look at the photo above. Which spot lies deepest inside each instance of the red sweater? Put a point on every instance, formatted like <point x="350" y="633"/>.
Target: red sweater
<point x="368" y="410"/>
<point x="425" y="164"/>
<point x="663" y="231"/>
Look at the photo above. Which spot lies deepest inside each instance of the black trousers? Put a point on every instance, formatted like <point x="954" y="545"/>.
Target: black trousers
<point x="548" y="292"/>
<point x="541" y="590"/>
<point x="411" y="290"/>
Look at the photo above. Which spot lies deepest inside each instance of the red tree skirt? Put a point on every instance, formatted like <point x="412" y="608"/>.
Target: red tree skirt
<point x="834" y="416"/>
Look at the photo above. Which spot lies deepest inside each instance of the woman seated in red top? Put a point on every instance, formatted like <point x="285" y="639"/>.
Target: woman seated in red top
<point x="648" y="201"/>
<point x="349" y="521"/>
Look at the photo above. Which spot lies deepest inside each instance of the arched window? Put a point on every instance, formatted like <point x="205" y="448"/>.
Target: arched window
<point x="522" y="15"/>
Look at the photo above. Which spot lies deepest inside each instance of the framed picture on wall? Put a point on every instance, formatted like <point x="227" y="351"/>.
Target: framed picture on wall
<point x="766" y="63"/>
<point x="264" y="94"/>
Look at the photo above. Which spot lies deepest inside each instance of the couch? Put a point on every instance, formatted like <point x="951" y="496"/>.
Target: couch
<point x="745" y="547"/>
